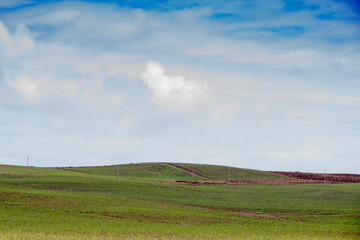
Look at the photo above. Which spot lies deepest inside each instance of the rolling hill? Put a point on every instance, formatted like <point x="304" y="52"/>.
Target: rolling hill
<point x="177" y="171"/>
<point x="92" y="203"/>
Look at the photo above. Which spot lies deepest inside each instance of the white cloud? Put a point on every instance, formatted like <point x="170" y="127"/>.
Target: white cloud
<point x="174" y="91"/>
<point x="39" y="87"/>
<point x="299" y="154"/>
<point x="25" y="85"/>
<point x="38" y="70"/>
<point x="81" y="58"/>
<point x="18" y="43"/>
<point x="34" y="86"/>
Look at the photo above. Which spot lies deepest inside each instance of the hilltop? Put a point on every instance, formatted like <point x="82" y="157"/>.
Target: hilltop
<point x="193" y="174"/>
<point x="177" y="172"/>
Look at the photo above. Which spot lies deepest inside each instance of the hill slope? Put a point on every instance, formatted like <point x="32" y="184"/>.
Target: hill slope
<point x="141" y="171"/>
<point x="177" y="171"/>
<point x="48" y="203"/>
<point x="221" y="173"/>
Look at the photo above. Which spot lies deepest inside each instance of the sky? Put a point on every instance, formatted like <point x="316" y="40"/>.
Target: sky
<point x="268" y="85"/>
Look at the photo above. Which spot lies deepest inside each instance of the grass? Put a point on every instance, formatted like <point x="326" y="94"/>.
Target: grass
<point x="214" y="172"/>
<point x="140" y="171"/>
<point x="45" y="203"/>
<point x="164" y="172"/>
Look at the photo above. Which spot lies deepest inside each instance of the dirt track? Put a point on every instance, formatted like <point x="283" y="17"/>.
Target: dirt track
<point x="184" y="169"/>
<point x="70" y="170"/>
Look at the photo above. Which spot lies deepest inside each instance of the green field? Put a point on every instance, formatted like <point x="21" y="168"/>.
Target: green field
<point x="140" y="171"/>
<point x="213" y="172"/>
<point x="44" y="203"/>
<point x="164" y="172"/>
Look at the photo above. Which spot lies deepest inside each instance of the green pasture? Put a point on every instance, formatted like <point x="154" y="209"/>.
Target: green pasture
<point x="214" y="172"/>
<point x="164" y="172"/>
<point x="41" y="203"/>
<point x="140" y="171"/>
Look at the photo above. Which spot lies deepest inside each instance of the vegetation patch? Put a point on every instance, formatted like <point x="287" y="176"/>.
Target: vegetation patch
<point x="63" y="204"/>
<point x="140" y="171"/>
<point x="222" y="173"/>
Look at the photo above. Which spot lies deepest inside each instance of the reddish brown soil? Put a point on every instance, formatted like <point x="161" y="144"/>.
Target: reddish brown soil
<point x="292" y="178"/>
<point x="327" y="178"/>
<point x="283" y="181"/>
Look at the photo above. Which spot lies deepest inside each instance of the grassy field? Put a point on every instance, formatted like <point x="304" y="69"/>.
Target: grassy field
<point x="140" y="171"/>
<point x="164" y="172"/>
<point x="213" y="172"/>
<point x="42" y="203"/>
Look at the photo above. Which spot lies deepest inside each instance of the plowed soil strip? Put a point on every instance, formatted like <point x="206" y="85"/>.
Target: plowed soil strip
<point x="285" y="181"/>
<point x="325" y="178"/>
<point x="184" y="169"/>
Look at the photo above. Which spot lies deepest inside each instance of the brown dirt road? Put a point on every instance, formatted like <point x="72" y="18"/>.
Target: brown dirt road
<point x="184" y="169"/>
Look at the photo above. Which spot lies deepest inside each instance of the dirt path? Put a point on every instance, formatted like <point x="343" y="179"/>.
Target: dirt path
<point x="245" y="214"/>
<point x="253" y="214"/>
<point x="184" y="169"/>
<point x="280" y="216"/>
<point x="69" y="170"/>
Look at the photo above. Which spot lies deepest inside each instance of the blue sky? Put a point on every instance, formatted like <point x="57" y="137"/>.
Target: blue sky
<point x="271" y="85"/>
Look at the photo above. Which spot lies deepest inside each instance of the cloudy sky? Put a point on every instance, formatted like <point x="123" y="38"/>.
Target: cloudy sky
<point x="270" y="85"/>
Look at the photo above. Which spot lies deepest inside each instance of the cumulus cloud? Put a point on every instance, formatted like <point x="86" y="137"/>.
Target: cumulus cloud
<point x="28" y="66"/>
<point x="174" y="91"/>
<point x="12" y="45"/>
<point x="80" y="60"/>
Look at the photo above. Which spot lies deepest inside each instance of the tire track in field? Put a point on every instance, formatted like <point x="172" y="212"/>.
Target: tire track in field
<point x="184" y="169"/>
<point x="244" y="214"/>
<point x="70" y="170"/>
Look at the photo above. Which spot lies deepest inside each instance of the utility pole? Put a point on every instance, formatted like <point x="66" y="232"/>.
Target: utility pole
<point x="324" y="176"/>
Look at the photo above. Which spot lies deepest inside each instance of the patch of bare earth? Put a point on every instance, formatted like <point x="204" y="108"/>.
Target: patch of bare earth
<point x="292" y="178"/>
<point x="321" y="177"/>
<point x="253" y="214"/>
<point x="245" y="214"/>
<point x="283" y="181"/>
